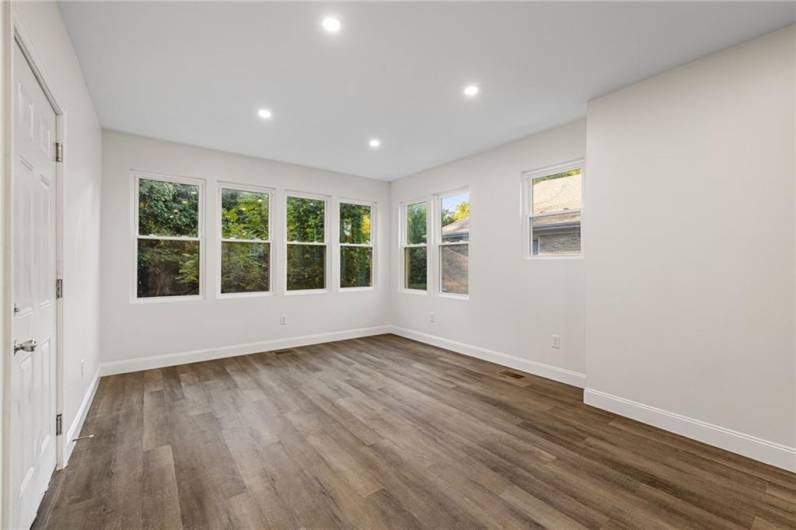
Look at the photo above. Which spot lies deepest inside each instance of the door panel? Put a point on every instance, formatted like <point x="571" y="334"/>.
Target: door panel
<point x="32" y="422"/>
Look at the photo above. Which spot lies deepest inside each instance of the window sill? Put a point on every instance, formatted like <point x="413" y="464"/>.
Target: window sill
<point x="300" y="292"/>
<point x="236" y="296"/>
<point x="455" y="296"/>
<point x="162" y="299"/>
<point x="420" y="292"/>
<point x="548" y="258"/>
<point x="356" y="289"/>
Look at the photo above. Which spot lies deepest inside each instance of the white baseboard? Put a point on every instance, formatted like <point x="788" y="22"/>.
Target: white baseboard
<point x="174" y="359"/>
<point x="548" y="371"/>
<point x="772" y="453"/>
<point x="80" y="417"/>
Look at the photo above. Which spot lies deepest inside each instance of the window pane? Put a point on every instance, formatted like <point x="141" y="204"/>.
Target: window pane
<point x="244" y="214"/>
<point x="306" y="267"/>
<point x="355" y="266"/>
<point x="244" y="267"/>
<point x="167" y="208"/>
<point x="454" y="263"/>
<point x="455" y="217"/>
<point x="416" y="224"/>
<point x="554" y="193"/>
<point x="556" y="235"/>
<point x="354" y="223"/>
<point x="305" y="218"/>
<point x="167" y="268"/>
<point x="415" y="268"/>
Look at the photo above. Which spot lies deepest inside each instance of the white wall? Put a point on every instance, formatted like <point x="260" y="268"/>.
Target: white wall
<point x="210" y="327"/>
<point x="46" y="37"/>
<point x="690" y="276"/>
<point x="515" y="304"/>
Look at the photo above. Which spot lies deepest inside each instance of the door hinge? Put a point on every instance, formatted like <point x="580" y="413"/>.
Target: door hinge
<point x="59" y="152"/>
<point x="59" y="424"/>
<point x="59" y="288"/>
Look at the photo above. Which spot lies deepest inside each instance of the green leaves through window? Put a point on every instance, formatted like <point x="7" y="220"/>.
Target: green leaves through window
<point x="306" y="243"/>
<point x="168" y="243"/>
<point x="245" y="241"/>
<point x="356" y="247"/>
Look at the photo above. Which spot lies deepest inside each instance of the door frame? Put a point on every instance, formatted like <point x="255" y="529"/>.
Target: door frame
<point x="14" y="34"/>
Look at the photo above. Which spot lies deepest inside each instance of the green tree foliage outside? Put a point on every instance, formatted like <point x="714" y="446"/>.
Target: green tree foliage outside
<point x="306" y="267"/>
<point x="416" y="224"/>
<point x="460" y="212"/>
<point x="168" y="267"/>
<point x="245" y="265"/>
<point x="305" y="220"/>
<point x="415" y="268"/>
<point x="355" y="229"/>
<point x="244" y="215"/>
<point x="167" y="209"/>
<point x="306" y="264"/>
<point x="415" y="257"/>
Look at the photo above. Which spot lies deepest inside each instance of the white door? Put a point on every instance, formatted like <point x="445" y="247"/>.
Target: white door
<point x="32" y="428"/>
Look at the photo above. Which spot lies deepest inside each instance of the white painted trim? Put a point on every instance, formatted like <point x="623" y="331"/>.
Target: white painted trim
<point x="562" y="375"/>
<point x="175" y="359"/>
<point x="80" y="418"/>
<point x="771" y="453"/>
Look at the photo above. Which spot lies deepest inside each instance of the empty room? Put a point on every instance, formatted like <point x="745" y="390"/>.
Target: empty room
<point x="405" y="265"/>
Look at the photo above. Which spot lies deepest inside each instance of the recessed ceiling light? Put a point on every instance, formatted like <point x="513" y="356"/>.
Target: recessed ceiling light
<point x="471" y="91"/>
<point x="332" y="24"/>
<point x="374" y="143"/>
<point x="264" y="114"/>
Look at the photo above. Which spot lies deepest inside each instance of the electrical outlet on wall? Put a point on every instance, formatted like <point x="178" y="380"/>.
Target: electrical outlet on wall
<point x="556" y="342"/>
<point x="283" y="320"/>
<point x="431" y="317"/>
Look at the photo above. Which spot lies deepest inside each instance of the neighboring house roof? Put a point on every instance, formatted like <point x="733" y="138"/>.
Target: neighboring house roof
<point x="557" y="194"/>
<point x="457" y="230"/>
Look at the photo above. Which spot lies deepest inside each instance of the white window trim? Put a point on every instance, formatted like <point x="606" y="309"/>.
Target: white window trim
<point x="338" y="246"/>
<point x="438" y="244"/>
<point x="136" y="176"/>
<point x="527" y="207"/>
<point x="327" y="200"/>
<point x="402" y="219"/>
<point x="220" y="187"/>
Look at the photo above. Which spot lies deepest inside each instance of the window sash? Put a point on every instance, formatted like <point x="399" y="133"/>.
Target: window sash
<point x="405" y="222"/>
<point x="137" y="176"/>
<point x="360" y="245"/>
<point x="405" y="244"/>
<point x="233" y="240"/>
<point x="528" y="178"/>
<point x="557" y="212"/>
<point x="170" y="238"/>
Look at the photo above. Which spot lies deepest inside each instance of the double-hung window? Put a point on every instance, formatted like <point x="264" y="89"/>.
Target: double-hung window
<point x="555" y="204"/>
<point x="453" y="243"/>
<point x="305" y="220"/>
<point x="168" y="229"/>
<point x="415" y="246"/>
<point x="356" y="245"/>
<point x="245" y="240"/>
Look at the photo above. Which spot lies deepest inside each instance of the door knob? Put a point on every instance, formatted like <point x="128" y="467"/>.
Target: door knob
<point x="26" y="346"/>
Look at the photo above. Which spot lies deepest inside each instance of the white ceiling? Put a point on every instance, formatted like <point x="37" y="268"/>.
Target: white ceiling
<point x="197" y="72"/>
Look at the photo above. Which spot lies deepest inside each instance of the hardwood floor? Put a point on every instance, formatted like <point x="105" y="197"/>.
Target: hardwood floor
<point x="384" y="432"/>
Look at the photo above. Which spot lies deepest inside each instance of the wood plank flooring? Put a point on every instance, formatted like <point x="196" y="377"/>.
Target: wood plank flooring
<point x="385" y="432"/>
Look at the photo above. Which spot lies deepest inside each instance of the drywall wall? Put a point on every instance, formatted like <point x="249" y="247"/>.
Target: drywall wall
<point x="141" y="334"/>
<point x="45" y="36"/>
<point x="690" y="276"/>
<point x="515" y="304"/>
